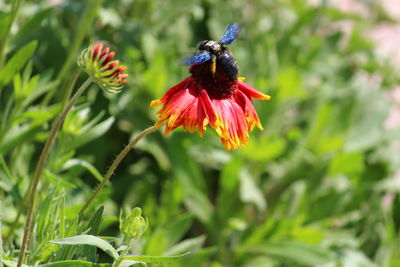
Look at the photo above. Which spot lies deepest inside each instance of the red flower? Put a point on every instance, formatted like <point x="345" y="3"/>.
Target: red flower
<point x="211" y="99"/>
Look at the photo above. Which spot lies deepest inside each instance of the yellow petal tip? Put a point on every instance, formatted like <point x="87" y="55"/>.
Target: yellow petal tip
<point x="155" y="103"/>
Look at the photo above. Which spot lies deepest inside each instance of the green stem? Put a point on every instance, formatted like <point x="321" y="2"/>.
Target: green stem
<point x="68" y="92"/>
<point x="14" y="11"/>
<point x="119" y="260"/>
<point x="41" y="164"/>
<point x="115" y="164"/>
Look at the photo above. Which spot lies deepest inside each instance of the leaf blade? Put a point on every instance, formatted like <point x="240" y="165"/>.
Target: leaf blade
<point x="88" y="240"/>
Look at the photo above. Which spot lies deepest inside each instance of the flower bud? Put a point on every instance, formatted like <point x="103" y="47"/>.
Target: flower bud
<point x="99" y="64"/>
<point x="132" y="225"/>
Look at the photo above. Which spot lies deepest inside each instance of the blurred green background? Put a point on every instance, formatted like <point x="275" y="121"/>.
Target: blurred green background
<point x="318" y="187"/>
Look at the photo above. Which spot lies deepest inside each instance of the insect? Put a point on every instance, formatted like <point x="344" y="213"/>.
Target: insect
<point x="218" y="53"/>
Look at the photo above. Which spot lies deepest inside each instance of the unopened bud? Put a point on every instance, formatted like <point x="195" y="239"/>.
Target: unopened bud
<point x="133" y="225"/>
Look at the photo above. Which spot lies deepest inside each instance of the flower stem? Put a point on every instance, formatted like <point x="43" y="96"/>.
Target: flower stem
<point x="41" y="164"/>
<point x="115" y="164"/>
<point x="119" y="260"/>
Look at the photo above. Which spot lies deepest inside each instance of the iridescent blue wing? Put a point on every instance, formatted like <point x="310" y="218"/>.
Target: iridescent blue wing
<point x="197" y="58"/>
<point x="230" y="34"/>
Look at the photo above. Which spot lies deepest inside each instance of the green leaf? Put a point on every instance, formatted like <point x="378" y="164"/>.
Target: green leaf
<point x="177" y="228"/>
<point x="228" y="186"/>
<point x="12" y="263"/>
<point x="127" y="263"/>
<point x="6" y="176"/>
<point x="350" y="164"/>
<point x="155" y="259"/>
<point x="250" y="192"/>
<point x="84" y="164"/>
<point x="290" y="84"/>
<point x="291" y="250"/>
<point x="366" y="128"/>
<point x="94" y="228"/>
<point x="75" y="263"/>
<point x="88" y="240"/>
<point x="46" y="219"/>
<point x="32" y="24"/>
<point x="94" y="223"/>
<point x="192" y="244"/>
<point x="4" y="21"/>
<point x="264" y="148"/>
<point x="261" y="261"/>
<point x="91" y="134"/>
<point x="16" y="63"/>
<point x="21" y="133"/>
<point x="198" y="203"/>
<point x="42" y="87"/>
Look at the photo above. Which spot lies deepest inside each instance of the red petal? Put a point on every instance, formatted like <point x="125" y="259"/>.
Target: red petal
<point x="96" y="50"/>
<point x="171" y="92"/>
<point x="109" y="57"/>
<point x="251" y="91"/>
<point x="249" y="111"/>
<point x="104" y="53"/>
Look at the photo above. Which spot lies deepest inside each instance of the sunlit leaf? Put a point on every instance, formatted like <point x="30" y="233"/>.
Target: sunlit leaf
<point x="155" y="259"/>
<point x="16" y="62"/>
<point x="250" y="192"/>
<point x="88" y="240"/>
<point x="292" y="251"/>
<point x="75" y="263"/>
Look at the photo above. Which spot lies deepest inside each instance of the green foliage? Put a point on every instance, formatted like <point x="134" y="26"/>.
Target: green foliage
<point x="318" y="187"/>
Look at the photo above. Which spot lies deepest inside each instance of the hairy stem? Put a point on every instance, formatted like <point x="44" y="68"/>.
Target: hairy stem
<point x="40" y="167"/>
<point x="115" y="164"/>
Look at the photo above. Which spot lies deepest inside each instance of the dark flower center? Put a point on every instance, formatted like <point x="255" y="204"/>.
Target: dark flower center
<point x="218" y="85"/>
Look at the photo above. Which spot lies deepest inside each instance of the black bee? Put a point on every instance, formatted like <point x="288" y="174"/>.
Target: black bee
<point x="218" y="53"/>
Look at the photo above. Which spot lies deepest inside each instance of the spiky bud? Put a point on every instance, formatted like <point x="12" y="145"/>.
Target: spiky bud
<point x="98" y="62"/>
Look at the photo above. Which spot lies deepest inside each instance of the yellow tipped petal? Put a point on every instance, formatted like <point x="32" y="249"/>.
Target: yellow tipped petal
<point x="265" y="97"/>
<point x="155" y="103"/>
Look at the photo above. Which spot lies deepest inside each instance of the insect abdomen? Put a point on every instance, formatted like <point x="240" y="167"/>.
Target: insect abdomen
<point x="228" y="63"/>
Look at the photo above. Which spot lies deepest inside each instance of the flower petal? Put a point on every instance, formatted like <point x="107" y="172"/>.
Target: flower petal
<point x="249" y="111"/>
<point x="251" y="91"/>
<point x="170" y="93"/>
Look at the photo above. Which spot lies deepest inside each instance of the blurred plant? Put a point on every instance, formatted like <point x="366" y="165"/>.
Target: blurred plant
<point x="115" y="164"/>
<point x="132" y="226"/>
<point x="318" y="187"/>
<point x="109" y="77"/>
